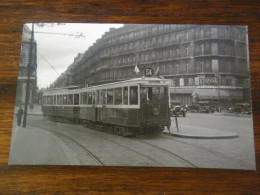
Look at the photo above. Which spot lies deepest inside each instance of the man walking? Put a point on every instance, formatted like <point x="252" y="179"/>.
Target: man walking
<point x="19" y="115"/>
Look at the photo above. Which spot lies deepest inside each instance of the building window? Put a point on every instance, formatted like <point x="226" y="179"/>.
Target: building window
<point x="187" y="65"/>
<point x="201" y="65"/>
<point x="229" y="66"/>
<point x="187" y="51"/>
<point x="201" y="49"/>
<point x="177" y="69"/>
<point x="201" y="33"/>
<point x="214" y="48"/>
<point x="214" y="32"/>
<point x="163" y="69"/>
<point x="177" y="53"/>
<point x="187" y="35"/>
<point x="215" y="66"/>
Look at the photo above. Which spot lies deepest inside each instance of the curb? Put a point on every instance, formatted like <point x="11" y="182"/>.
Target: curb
<point x="201" y="137"/>
<point x="34" y="114"/>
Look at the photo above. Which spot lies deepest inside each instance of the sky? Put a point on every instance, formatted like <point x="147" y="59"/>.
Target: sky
<point x="60" y="50"/>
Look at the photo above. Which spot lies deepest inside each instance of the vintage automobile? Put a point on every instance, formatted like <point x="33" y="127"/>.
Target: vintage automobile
<point x="206" y="109"/>
<point x="240" y="108"/>
<point x="193" y="108"/>
<point x="177" y="109"/>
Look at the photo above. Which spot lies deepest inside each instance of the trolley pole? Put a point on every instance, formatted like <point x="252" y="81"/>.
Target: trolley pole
<point x="27" y="95"/>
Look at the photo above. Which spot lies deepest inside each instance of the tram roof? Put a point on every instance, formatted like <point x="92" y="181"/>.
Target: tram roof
<point x="135" y="81"/>
<point x="142" y="80"/>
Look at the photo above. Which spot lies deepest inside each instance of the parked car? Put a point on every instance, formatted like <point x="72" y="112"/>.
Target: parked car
<point x="193" y="108"/>
<point x="237" y="110"/>
<point x="206" y="109"/>
<point x="177" y="110"/>
<point x="240" y="108"/>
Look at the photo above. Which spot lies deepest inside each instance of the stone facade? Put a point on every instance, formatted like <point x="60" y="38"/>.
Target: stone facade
<point x="209" y="62"/>
<point x="23" y="70"/>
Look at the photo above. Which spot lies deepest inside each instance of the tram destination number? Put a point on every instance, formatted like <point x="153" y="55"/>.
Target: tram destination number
<point x="148" y="72"/>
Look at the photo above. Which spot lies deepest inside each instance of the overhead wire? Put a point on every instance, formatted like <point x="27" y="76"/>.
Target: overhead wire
<point x="48" y="63"/>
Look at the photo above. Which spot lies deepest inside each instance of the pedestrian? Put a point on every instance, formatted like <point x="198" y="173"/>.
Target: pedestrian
<point x="19" y="115"/>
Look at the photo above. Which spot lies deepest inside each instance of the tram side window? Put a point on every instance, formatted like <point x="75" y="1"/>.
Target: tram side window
<point x="47" y="100"/>
<point x="81" y="98"/>
<point x="65" y="100"/>
<point x="76" y="99"/>
<point x="61" y="102"/>
<point x="125" y="95"/>
<point x="98" y="96"/>
<point x="133" y="95"/>
<point x="84" y="98"/>
<point x="93" y="98"/>
<point x="70" y="99"/>
<point x="50" y="100"/>
<point x="118" y="96"/>
<point x="58" y="99"/>
<point x="110" y="96"/>
<point x="89" y="98"/>
<point x="104" y="95"/>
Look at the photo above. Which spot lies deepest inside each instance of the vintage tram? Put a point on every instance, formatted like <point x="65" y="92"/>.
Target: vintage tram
<point x="126" y="108"/>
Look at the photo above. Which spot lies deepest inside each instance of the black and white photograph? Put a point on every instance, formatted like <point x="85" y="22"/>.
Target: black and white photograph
<point x="145" y="95"/>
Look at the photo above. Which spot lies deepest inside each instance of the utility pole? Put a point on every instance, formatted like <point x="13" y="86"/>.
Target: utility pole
<point x="27" y="95"/>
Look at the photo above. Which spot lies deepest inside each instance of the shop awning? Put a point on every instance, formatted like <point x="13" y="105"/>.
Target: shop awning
<point x="217" y="93"/>
<point x="182" y="91"/>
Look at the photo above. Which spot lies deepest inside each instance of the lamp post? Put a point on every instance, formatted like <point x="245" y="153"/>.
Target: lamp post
<point x="218" y="79"/>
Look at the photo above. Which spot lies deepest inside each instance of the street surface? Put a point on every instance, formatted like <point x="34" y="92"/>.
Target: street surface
<point x="75" y="144"/>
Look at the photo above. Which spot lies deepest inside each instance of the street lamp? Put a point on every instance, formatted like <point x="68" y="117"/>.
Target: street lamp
<point x="218" y="79"/>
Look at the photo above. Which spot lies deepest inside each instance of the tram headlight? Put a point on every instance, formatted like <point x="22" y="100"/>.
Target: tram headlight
<point x="156" y="111"/>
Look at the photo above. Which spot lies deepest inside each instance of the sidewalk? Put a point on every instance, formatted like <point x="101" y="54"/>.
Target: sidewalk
<point x="33" y="146"/>
<point x="187" y="131"/>
<point x="232" y="114"/>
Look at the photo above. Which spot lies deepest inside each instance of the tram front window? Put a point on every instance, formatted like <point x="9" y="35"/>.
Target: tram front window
<point x="133" y="95"/>
<point x="153" y="93"/>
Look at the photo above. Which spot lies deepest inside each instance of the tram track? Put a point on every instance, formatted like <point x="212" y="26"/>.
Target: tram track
<point x="188" y="163"/>
<point x="177" y="157"/>
<point x="62" y="136"/>
<point x="211" y="151"/>
<point x="181" y="159"/>
<point x="94" y="157"/>
<point x="149" y="156"/>
<point x="128" y="148"/>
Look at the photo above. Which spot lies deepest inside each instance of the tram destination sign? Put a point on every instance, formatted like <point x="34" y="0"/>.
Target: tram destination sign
<point x="148" y="72"/>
